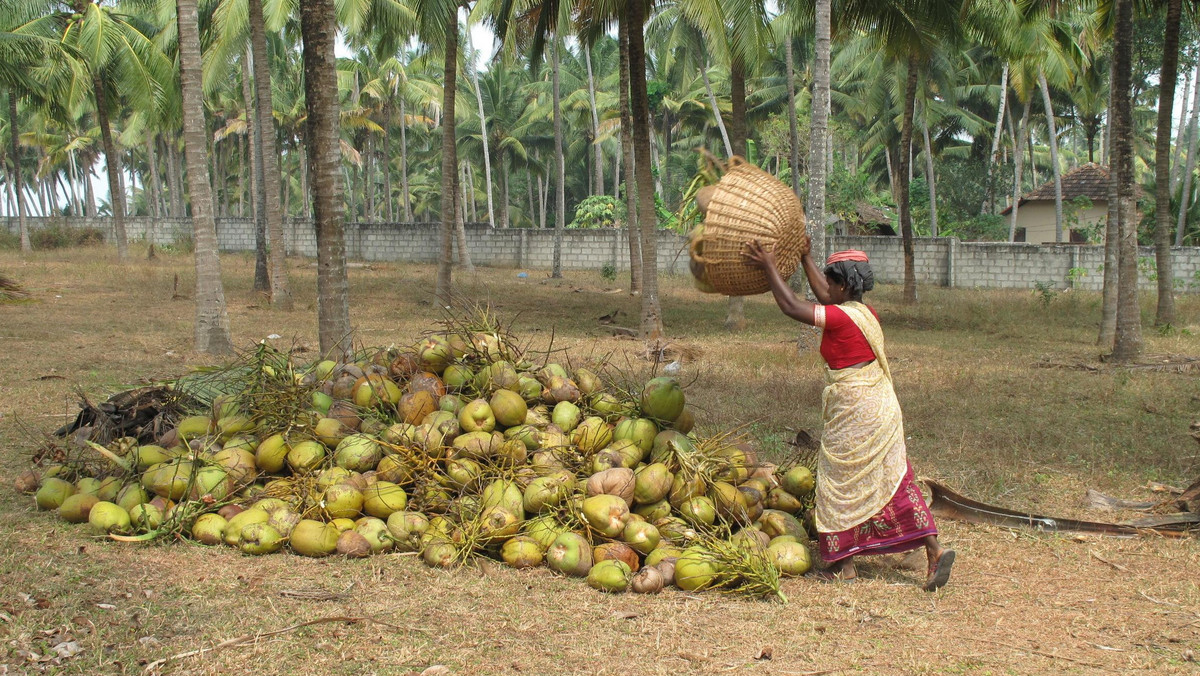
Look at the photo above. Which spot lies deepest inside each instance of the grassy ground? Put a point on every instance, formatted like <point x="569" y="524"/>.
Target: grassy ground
<point x="1004" y="398"/>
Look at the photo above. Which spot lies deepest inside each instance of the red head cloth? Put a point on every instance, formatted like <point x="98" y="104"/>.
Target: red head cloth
<point x="847" y="255"/>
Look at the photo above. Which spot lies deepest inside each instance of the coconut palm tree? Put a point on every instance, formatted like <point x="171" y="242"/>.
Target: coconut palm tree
<point x="1165" y="311"/>
<point x="212" y="321"/>
<point x="1127" y="343"/>
<point x="319" y="30"/>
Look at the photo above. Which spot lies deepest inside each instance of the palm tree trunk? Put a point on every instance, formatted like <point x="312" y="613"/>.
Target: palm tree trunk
<point x="487" y="156"/>
<point x="174" y="182"/>
<point x="793" y="123"/>
<point x="906" y="231"/>
<point x="503" y="193"/>
<point x="449" y="161"/>
<point x="560" y="175"/>
<point x="389" y="210"/>
<point x="14" y="149"/>
<point x="262" y="280"/>
<point x="1165" y="311"/>
<point x="319" y="30"/>
<point x="460" y="233"/>
<point x="1190" y="168"/>
<point x="212" y="321"/>
<point x="156" y="189"/>
<point x="735" y="310"/>
<point x="1177" y="153"/>
<point x="651" y="320"/>
<point x="112" y="158"/>
<point x="930" y="178"/>
<point x="632" y="229"/>
<point x="819" y="131"/>
<point x="989" y="202"/>
<point x="1056" y="170"/>
<point x="597" y="155"/>
<point x="1127" y="344"/>
<point x="1018" y="161"/>
<point x="268" y="187"/>
<point x="1112" y="237"/>
<point x="408" y="215"/>
<point x="712" y="101"/>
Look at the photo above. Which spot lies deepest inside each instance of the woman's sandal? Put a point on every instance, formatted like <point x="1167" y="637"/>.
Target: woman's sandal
<point x="941" y="572"/>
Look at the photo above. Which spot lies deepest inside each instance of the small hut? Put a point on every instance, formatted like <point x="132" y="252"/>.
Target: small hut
<point x="1035" y="215"/>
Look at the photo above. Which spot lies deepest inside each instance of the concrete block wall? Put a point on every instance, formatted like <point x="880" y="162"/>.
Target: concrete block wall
<point x="940" y="261"/>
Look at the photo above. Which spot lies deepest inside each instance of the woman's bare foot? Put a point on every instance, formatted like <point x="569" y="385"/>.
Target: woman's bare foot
<point x="939" y="569"/>
<point x="842" y="571"/>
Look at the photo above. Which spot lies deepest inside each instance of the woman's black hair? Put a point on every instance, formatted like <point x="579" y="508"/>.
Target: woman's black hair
<point x="856" y="276"/>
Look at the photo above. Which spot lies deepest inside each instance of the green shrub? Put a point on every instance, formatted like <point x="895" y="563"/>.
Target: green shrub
<point x="58" y="236"/>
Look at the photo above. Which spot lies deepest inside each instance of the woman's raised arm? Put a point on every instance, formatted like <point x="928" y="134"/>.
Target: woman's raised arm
<point x="792" y="305"/>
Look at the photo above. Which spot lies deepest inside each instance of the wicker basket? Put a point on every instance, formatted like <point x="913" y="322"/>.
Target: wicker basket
<point x="748" y="204"/>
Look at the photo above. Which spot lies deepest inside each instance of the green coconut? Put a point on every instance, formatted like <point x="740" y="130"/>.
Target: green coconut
<point x="640" y="431"/>
<point x="305" y="457"/>
<point x="545" y="493"/>
<point x="321" y="402"/>
<point x="529" y="388"/>
<point x="792" y="558"/>
<point x="610" y="407"/>
<point x="209" y="529"/>
<point x="565" y="416"/>
<point x="330" y="431"/>
<point x="588" y="381"/>
<point x="775" y="523"/>
<point x="654" y="511"/>
<point x="508" y="407"/>
<point x="376" y="533"/>
<point x="212" y="481"/>
<point x="238" y="463"/>
<point x="652" y="483"/>
<point x="783" y="501"/>
<point x="271" y="454"/>
<point x="497" y="524"/>
<point x="630" y="454"/>
<point x="669" y="445"/>
<point x="439" y="553"/>
<point x="592" y="434"/>
<point x="383" y="498"/>
<point x="684" y="489"/>
<point x="477" y="416"/>
<point x="662" y="399"/>
<point x="233" y="528"/>
<point x="699" y="511"/>
<point x="506" y="494"/>
<point x="394" y="468"/>
<point x="570" y="554"/>
<point x="522" y="551"/>
<point x="526" y="434"/>
<point x="130" y="495"/>
<point x="357" y="453"/>
<point x="799" y="481"/>
<point x="662" y="553"/>
<point x="457" y="376"/>
<point x="108" y="517"/>
<point x="88" y="485"/>
<point x="610" y="576"/>
<point x="643" y="537"/>
<point x="109" y="488"/>
<point x="169" y="479"/>
<point x="260" y="538"/>
<point x="148" y="455"/>
<point x="544" y="530"/>
<point x="145" y="517"/>
<point x="406" y="529"/>
<point x="193" y="426"/>
<point x="477" y="445"/>
<point x="463" y="472"/>
<point x="696" y="569"/>
<point x="76" y="507"/>
<point x="606" y="514"/>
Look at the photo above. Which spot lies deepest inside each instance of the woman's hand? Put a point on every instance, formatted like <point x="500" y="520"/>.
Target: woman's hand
<point x="759" y="255"/>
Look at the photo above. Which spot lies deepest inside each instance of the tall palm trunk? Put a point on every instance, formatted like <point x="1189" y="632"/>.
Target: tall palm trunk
<point x="906" y="230"/>
<point x="597" y="154"/>
<point x="212" y="321"/>
<point x="1018" y="162"/>
<point x="269" y="182"/>
<point x="14" y="151"/>
<point x="319" y="30"/>
<point x="712" y="101"/>
<point x="262" y="280"/>
<point x="1112" y="239"/>
<point x="560" y="173"/>
<point x="793" y="123"/>
<point x="651" y="320"/>
<point x="1127" y="344"/>
<point x="819" y="132"/>
<point x="1177" y="153"/>
<point x="632" y="230"/>
<point x="1165" y="312"/>
<point x="153" y="202"/>
<point x="989" y="202"/>
<point x="1193" y="136"/>
<point x="487" y="156"/>
<point x="116" y="195"/>
<point x="735" y="311"/>
<point x="449" y="162"/>
<point x="408" y="216"/>
<point x="1056" y="170"/>
<point x="930" y="178"/>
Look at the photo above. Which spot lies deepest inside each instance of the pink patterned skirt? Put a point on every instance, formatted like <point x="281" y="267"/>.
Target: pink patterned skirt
<point x="901" y="525"/>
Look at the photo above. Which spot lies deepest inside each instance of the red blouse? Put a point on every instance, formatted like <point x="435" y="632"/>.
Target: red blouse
<point x="842" y="343"/>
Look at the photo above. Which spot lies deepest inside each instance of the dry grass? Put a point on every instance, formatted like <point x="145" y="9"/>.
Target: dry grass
<point x="980" y="412"/>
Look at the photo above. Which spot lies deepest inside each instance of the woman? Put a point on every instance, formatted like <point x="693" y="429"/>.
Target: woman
<point x="867" y="500"/>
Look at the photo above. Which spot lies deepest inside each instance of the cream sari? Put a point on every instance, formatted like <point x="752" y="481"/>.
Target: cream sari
<point x="863" y="458"/>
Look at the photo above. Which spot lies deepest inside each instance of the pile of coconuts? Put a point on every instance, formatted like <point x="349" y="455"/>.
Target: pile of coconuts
<point x="455" y="448"/>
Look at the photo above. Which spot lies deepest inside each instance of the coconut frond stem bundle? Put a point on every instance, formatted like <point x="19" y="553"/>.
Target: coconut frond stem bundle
<point x="11" y="290"/>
